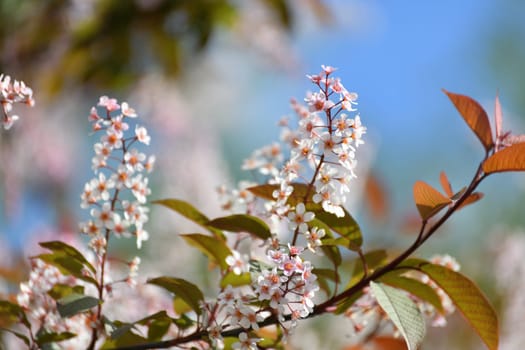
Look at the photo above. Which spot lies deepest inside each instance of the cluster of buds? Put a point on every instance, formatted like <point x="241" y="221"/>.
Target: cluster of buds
<point x="10" y="93"/>
<point x="117" y="194"/>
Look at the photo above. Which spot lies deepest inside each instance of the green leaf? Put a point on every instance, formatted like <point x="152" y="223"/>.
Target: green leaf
<point x="323" y="278"/>
<point x="403" y="312"/>
<point x="330" y="251"/>
<point x="180" y="306"/>
<point x="58" y="246"/>
<point x="44" y="337"/>
<point x="185" y="290"/>
<point x="229" y="341"/>
<point x="234" y="280"/>
<point x="121" y="329"/>
<point x="18" y="335"/>
<point x="158" y="328"/>
<point x="190" y="212"/>
<point x="264" y="191"/>
<point x="469" y="300"/>
<point x="216" y="249"/>
<point x="67" y="265"/>
<point x="345" y="304"/>
<point x="13" y="312"/>
<point x="297" y="196"/>
<point x="242" y="223"/>
<point x="339" y="241"/>
<point x="413" y="263"/>
<point x="326" y="273"/>
<point x="419" y="289"/>
<point x="60" y="291"/>
<point x="127" y="339"/>
<point x="345" y="226"/>
<point x="374" y="259"/>
<point x="333" y="254"/>
<point x="183" y="322"/>
<point x="75" y="303"/>
<point x="156" y="316"/>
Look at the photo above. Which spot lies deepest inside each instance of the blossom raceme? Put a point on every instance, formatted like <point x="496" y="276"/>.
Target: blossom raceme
<point x="326" y="139"/>
<point x="118" y="192"/>
<point x="115" y="198"/>
<point x="12" y="92"/>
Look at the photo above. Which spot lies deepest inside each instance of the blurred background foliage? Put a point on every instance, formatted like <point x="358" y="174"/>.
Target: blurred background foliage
<point x="111" y="43"/>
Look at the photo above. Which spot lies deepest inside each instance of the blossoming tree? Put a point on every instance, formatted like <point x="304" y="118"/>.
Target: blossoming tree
<point x="281" y="253"/>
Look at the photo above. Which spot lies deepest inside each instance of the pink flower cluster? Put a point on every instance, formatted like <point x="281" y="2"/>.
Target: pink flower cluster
<point x="326" y="138"/>
<point x="117" y="194"/>
<point x="289" y="285"/>
<point x="10" y="93"/>
<point x="285" y="287"/>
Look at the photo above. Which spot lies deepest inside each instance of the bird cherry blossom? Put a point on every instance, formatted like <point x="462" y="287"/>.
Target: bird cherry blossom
<point x="12" y="92"/>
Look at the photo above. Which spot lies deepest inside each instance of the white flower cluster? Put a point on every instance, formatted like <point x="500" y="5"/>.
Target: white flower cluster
<point x="41" y="308"/>
<point x="289" y="285"/>
<point x="10" y="93"/>
<point x="285" y="287"/>
<point x="239" y="200"/>
<point x="328" y="133"/>
<point x="119" y="170"/>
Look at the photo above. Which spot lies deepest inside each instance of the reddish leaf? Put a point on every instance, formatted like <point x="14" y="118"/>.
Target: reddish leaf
<point x="473" y="198"/>
<point x="445" y="184"/>
<point x="377" y="198"/>
<point x="428" y="200"/>
<point x="511" y="158"/>
<point x="475" y="116"/>
<point x="298" y="195"/>
<point x="389" y="343"/>
<point x="380" y="343"/>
